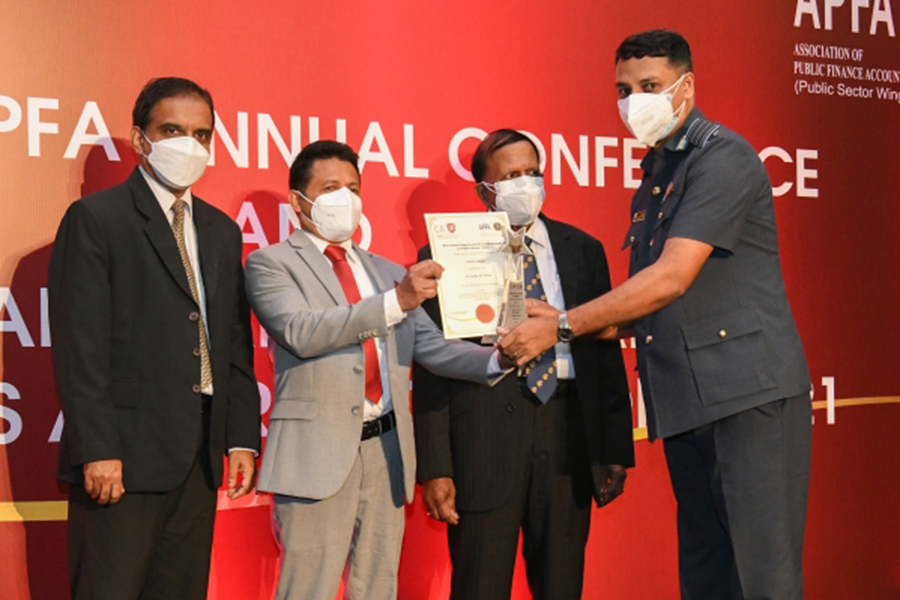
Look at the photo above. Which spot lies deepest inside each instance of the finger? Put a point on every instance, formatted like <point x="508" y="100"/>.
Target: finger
<point x="117" y="491"/>
<point x="105" y="491"/>
<point x="245" y="484"/>
<point x="89" y="485"/>
<point x="427" y="269"/>
<point x="232" y="472"/>
<point x="446" y="512"/>
<point x="616" y="487"/>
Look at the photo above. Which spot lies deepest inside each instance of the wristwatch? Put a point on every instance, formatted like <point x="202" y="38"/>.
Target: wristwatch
<point x="564" y="333"/>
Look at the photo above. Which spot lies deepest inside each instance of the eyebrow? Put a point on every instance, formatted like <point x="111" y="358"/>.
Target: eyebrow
<point x="175" y="125"/>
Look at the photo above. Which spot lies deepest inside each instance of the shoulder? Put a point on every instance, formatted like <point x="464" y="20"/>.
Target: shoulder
<point x="276" y="253"/>
<point x="559" y="230"/>
<point x="719" y="144"/>
<point x="108" y="201"/>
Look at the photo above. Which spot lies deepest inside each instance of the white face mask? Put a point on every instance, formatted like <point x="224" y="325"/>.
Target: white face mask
<point x="521" y="198"/>
<point x="336" y="214"/>
<point x="649" y="117"/>
<point x="178" y="161"/>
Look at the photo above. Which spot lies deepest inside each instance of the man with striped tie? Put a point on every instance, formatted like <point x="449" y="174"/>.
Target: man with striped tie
<point x="528" y="454"/>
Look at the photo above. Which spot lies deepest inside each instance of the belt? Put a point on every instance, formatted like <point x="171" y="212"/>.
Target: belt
<point x="379" y="426"/>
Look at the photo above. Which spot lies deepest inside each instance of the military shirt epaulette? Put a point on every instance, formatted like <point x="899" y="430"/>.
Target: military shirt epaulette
<point x="701" y="131"/>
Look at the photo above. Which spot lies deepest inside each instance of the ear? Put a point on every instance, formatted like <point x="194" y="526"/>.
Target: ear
<point x="138" y="141"/>
<point x="688" y="84"/>
<point x="296" y="201"/>
<point x="484" y="195"/>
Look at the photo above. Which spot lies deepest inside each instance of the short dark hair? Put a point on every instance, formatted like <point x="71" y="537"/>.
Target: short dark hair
<point x="301" y="169"/>
<point x="161" y="88"/>
<point x="658" y="42"/>
<point x="493" y="142"/>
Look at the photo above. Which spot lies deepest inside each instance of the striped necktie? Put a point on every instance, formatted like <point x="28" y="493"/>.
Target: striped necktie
<point x="540" y="373"/>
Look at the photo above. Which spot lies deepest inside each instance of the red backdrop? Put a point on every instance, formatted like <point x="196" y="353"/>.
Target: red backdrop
<point x="410" y="84"/>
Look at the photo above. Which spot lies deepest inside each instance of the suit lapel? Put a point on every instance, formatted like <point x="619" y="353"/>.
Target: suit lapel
<point x="381" y="284"/>
<point x="208" y="245"/>
<point x="158" y="230"/>
<point x="565" y="261"/>
<point x="319" y="265"/>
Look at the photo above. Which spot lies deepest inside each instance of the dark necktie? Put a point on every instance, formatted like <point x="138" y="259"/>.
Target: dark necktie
<point x="540" y="373"/>
<point x="338" y="258"/>
<point x="178" y="230"/>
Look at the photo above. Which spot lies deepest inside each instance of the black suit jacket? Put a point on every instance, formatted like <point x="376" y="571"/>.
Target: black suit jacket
<point x="469" y="432"/>
<point x="124" y="329"/>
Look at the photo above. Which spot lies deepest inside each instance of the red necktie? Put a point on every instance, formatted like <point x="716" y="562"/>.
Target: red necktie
<point x="338" y="258"/>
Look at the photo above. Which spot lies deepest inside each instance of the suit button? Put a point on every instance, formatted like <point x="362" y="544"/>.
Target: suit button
<point x="196" y="388"/>
<point x="194" y="316"/>
<point x="648" y="340"/>
<point x="196" y="351"/>
<point x="510" y="407"/>
<point x="660" y="214"/>
<point x="656" y="190"/>
<point x="355" y="410"/>
<point x="651" y="243"/>
<point x="722" y="333"/>
<point x="357" y="369"/>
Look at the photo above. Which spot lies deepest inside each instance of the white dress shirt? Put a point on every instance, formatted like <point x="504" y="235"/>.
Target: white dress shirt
<point x="546" y="262"/>
<point x="393" y="315"/>
<point x="166" y="201"/>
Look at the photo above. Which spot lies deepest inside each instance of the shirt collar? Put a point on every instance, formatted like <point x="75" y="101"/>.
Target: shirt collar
<point x="165" y="197"/>
<point x="538" y="233"/>
<point x="679" y="141"/>
<point x="321" y="244"/>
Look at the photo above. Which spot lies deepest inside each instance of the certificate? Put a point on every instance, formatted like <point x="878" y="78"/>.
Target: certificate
<point x="470" y="291"/>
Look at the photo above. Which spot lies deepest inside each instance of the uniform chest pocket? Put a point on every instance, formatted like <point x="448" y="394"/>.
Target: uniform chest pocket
<point x="728" y="356"/>
<point x="668" y="206"/>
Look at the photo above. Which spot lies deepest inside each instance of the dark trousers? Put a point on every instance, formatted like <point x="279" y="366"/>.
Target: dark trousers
<point x="741" y="485"/>
<point x="550" y="502"/>
<point x="148" y="546"/>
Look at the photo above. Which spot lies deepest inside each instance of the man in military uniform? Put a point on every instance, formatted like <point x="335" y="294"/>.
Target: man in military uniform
<point x="722" y="366"/>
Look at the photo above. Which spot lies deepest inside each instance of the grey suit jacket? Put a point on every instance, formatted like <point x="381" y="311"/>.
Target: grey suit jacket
<point x="316" y="422"/>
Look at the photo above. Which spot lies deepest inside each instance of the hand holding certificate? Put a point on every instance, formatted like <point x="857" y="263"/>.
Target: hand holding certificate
<point x="478" y="286"/>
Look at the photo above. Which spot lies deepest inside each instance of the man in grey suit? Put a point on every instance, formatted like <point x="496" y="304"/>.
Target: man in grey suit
<point x="340" y="455"/>
<point x="722" y="366"/>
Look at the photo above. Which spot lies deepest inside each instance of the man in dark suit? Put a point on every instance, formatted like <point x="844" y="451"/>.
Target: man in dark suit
<point x="153" y="361"/>
<point x="529" y="453"/>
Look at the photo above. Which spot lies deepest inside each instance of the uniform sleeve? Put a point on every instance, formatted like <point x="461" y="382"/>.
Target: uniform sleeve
<point x="719" y="190"/>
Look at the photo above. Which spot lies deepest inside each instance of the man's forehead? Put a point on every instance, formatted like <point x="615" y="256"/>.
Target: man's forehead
<point x="333" y="167"/>
<point x="520" y="152"/>
<point x="175" y="108"/>
<point x="647" y="67"/>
